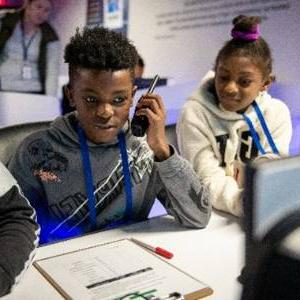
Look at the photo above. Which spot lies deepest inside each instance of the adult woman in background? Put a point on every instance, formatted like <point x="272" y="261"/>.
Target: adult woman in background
<point x="29" y="50"/>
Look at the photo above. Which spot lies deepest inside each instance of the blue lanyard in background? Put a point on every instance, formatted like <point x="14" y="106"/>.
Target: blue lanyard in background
<point x="88" y="176"/>
<point x="264" y="126"/>
<point x="24" y="45"/>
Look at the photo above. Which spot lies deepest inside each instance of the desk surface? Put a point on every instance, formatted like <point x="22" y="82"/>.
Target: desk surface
<point x="16" y="108"/>
<point x="213" y="255"/>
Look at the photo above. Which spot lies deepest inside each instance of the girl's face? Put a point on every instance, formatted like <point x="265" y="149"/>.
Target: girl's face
<point x="238" y="82"/>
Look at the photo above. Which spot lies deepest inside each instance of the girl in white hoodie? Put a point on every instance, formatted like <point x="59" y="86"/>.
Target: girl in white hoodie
<point x="231" y="119"/>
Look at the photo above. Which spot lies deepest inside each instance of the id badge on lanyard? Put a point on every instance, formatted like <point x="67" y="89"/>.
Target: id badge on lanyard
<point x="27" y="68"/>
<point x="26" y="71"/>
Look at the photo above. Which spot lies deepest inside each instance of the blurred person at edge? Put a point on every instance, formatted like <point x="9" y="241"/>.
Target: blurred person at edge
<point x="29" y="50"/>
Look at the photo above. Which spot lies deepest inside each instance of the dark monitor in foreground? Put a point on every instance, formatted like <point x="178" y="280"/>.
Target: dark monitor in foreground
<point x="272" y="191"/>
<point x="272" y="212"/>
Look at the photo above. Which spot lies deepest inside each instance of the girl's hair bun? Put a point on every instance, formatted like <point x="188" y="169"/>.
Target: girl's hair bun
<point x="246" y="28"/>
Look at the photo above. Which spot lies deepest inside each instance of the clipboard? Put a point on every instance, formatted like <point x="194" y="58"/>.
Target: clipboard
<point x="118" y="270"/>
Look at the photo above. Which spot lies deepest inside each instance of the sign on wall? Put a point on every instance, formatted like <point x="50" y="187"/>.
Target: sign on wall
<point x="113" y="13"/>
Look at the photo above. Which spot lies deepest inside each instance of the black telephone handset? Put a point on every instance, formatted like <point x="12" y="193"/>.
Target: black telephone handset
<point x="139" y="124"/>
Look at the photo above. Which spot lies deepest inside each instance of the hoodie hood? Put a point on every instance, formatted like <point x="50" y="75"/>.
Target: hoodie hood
<point x="205" y="94"/>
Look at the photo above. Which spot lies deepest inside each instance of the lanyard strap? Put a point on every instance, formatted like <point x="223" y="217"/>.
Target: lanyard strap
<point x="88" y="176"/>
<point x="264" y="126"/>
<point x="254" y="135"/>
<point x="24" y="46"/>
<point x="126" y="172"/>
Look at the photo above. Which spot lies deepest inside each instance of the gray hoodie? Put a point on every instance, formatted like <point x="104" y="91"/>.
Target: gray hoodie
<point x="49" y="169"/>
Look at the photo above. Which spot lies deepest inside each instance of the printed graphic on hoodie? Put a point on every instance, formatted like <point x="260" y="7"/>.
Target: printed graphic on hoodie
<point x="247" y="148"/>
<point x="48" y="165"/>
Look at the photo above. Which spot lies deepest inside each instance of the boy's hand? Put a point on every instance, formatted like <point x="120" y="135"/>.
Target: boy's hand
<point x="152" y="107"/>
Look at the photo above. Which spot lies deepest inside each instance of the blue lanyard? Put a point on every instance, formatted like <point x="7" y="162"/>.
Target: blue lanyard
<point x="265" y="128"/>
<point x="24" y="46"/>
<point x="266" y="131"/>
<point x="126" y="172"/>
<point x="88" y="176"/>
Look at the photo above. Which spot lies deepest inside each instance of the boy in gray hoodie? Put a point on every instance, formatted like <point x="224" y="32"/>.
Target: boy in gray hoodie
<point x="88" y="171"/>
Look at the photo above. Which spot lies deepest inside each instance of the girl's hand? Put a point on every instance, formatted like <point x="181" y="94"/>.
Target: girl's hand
<point x="238" y="173"/>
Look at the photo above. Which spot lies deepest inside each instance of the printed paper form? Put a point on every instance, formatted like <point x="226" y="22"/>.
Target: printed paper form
<point x="112" y="270"/>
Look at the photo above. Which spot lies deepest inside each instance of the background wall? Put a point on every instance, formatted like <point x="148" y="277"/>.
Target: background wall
<point x="187" y="34"/>
<point x="66" y="16"/>
<point x="179" y="39"/>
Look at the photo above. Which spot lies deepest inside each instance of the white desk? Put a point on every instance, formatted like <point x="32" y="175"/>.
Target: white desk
<point x="18" y="108"/>
<point x="213" y="255"/>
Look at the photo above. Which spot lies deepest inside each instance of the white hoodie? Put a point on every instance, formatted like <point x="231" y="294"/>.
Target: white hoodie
<point x="214" y="139"/>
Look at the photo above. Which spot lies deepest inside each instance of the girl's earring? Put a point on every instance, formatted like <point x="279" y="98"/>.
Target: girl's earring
<point x="260" y="94"/>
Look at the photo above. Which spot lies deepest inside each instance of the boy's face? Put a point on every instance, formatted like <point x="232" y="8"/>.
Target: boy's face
<point x="102" y="100"/>
<point x="238" y="82"/>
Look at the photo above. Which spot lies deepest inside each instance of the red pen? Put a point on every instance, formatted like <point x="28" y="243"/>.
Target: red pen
<point x="156" y="250"/>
